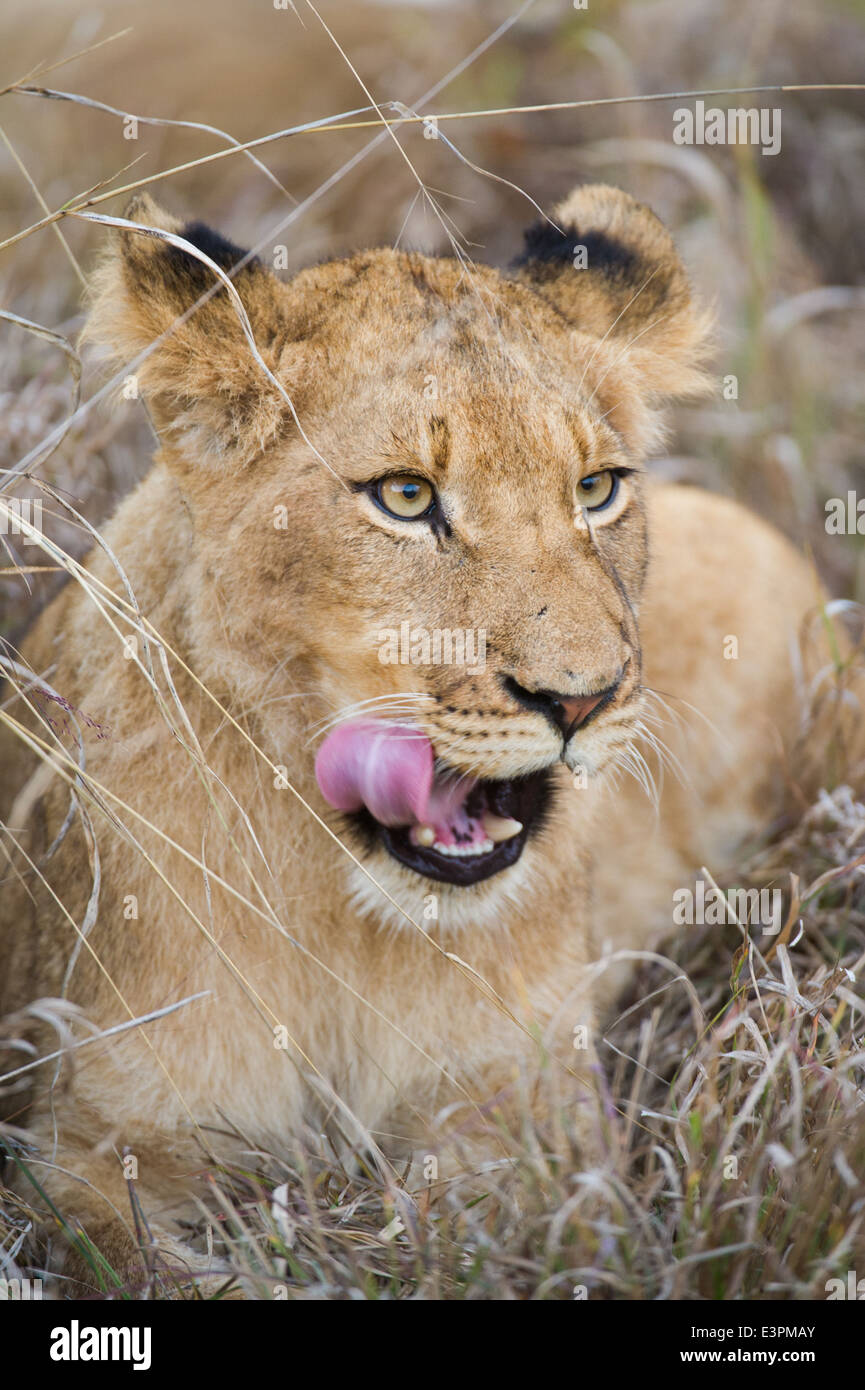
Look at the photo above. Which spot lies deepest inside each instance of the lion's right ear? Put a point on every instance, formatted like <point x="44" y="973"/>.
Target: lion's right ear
<point x="610" y="268"/>
<point x="198" y="374"/>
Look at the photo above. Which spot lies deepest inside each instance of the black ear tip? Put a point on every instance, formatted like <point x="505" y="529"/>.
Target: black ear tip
<point x="191" y="273"/>
<point x="224" y="252"/>
<point x="549" y="249"/>
<point x="545" y="242"/>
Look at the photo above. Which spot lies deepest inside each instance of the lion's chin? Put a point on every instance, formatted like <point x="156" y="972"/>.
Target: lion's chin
<point x="498" y="804"/>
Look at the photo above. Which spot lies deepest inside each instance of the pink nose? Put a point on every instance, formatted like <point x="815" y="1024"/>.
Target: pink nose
<point x="577" y="709"/>
<point x="567" y="712"/>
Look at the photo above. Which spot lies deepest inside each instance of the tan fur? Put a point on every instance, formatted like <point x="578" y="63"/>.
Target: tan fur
<point x="507" y="387"/>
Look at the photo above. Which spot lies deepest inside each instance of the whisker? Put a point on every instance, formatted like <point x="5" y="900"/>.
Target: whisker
<point x="666" y="757"/>
<point x="662" y="697"/>
<point x="407" y="699"/>
<point x="633" y="762"/>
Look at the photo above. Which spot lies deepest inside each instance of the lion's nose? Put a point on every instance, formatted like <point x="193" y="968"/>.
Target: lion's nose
<point x="567" y="712"/>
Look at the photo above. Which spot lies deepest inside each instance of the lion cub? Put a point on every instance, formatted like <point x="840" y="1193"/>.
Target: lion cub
<point x="350" y="686"/>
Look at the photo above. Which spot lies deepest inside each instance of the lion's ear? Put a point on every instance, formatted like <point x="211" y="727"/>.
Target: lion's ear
<point x="196" y="370"/>
<point x="610" y="267"/>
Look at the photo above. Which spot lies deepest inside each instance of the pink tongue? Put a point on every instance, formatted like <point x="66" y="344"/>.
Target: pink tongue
<point x="388" y="768"/>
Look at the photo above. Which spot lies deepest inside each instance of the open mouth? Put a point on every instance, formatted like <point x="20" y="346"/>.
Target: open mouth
<point x="447" y="827"/>
<point x="509" y="810"/>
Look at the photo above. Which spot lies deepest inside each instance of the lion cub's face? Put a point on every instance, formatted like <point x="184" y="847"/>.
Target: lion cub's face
<point x="446" y="558"/>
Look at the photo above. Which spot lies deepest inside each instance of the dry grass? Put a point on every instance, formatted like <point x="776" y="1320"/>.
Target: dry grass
<point x="735" y="1143"/>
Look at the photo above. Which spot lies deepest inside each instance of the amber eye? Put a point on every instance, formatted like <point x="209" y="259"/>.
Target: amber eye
<point x="597" y="491"/>
<point x="405" y="495"/>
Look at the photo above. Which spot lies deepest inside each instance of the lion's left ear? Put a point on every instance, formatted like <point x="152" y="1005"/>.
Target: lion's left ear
<point x="613" y="271"/>
<point x="199" y="377"/>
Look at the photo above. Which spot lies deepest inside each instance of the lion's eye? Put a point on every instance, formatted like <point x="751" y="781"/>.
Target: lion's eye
<point x="405" y="495"/>
<point x="597" y="491"/>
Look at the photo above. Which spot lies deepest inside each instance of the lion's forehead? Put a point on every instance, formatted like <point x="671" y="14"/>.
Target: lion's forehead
<point x="458" y="426"/>
<point x="408" y="341"/>
<point x="432" y="303"/>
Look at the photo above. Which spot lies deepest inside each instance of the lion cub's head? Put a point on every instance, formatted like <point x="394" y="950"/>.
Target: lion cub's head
<point x="431" y="523"/>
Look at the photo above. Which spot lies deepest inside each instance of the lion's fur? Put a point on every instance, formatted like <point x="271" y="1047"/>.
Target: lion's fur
<point x="497" y="381"/>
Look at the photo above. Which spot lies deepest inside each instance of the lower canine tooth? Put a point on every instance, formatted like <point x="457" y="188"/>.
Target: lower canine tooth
<point x="424" y="835"/>
<point x="500" y="828"/>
